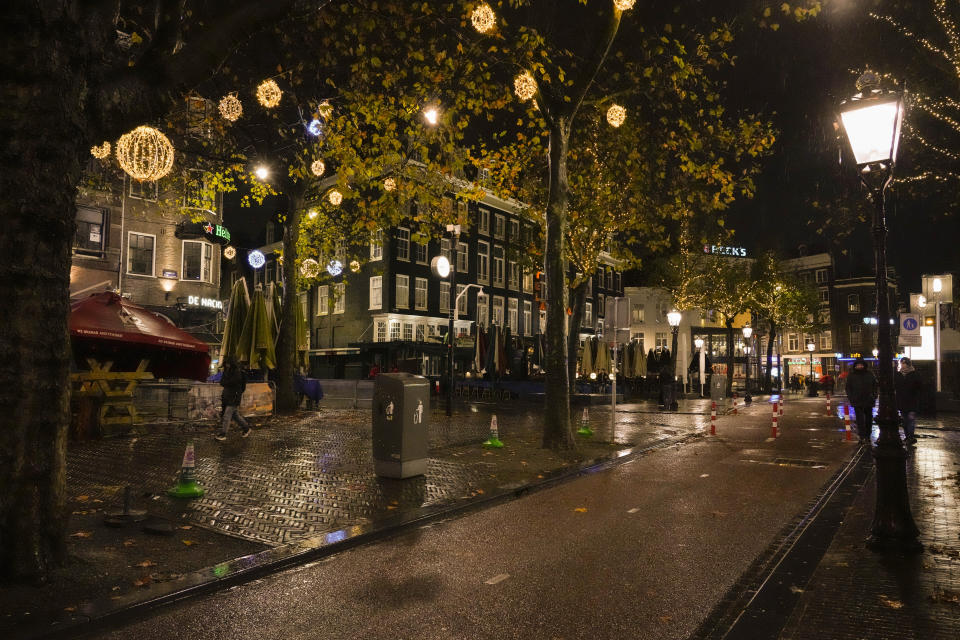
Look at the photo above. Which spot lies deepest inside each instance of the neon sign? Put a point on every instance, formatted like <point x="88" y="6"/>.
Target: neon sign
<point x="720" y="250"/>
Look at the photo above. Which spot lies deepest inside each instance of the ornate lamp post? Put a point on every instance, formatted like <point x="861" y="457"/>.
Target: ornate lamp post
<point x="443" y="268"/>
<point x="673" y="318"/>
<point x="811" y="389"/>
<point x="747" y="332"/>
<point x="703" y="365"/>
<point x="871" y="120"/>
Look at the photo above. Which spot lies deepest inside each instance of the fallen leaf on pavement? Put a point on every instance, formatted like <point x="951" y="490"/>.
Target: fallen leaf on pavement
<point x="70" y="609"/>
<point x="390" y="506"/>
<point x="890" y="604"/>
<point x="704" y="475"/>
<point x="942" y="595"/>
<point x="146" y="563"/>
<point x="81" y="534"/>
<point x="666" y="619"/>
<point x="795" y="589"/>
<point x="129" y="543"/>
<point x="142" y="582"/>
<point x="82" y="498"/>
<point x="480" y="491"/>
<point x="718" y="514"/>
<point x="116" y="588"/>
<point x="188" y="542"/>
<point x="186" y="526"/>
<point x="581" y="509"/>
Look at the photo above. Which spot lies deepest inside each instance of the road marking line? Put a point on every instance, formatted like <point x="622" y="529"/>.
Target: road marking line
<point x="498" y="578"/>
<point x="634" y="510"/>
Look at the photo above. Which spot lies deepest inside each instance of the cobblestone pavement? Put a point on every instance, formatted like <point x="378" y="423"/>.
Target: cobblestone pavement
<point x="314" y="472"/>
<point x="858" y="594"/>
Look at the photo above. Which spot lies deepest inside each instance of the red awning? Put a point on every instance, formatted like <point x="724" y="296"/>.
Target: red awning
<point x="106" y="326"/>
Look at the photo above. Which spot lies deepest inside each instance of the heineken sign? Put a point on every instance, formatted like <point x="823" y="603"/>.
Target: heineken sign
<point x="720" y="250"/>
<point x="209" y="231"/>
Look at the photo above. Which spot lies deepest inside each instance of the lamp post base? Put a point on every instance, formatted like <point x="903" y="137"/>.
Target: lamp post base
<point x="893" y="527"/>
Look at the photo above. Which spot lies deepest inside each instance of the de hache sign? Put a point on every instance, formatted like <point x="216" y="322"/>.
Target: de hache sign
<point x="720" y="250"/>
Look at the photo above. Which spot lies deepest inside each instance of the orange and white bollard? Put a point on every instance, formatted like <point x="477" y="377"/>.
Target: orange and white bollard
<point x="846" y="422"/>
<point x="713" y="418"/>
<point x="829" y="408"/>
<point x="773" y="427"/>
<point x="734" y="403"/>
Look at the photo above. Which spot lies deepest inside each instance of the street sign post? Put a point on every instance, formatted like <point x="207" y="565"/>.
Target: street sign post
<point x="910" y="330"/>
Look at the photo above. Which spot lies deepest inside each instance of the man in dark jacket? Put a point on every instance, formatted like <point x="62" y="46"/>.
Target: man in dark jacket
<point x="908" y="398"/>
<point x="862" y="394"/>
<point x="234" y="383"/>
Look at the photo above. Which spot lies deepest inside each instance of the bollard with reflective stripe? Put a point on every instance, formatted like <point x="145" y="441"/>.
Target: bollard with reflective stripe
<point x="773" y="428"/>
<point x="829" y="409"/>
<point x="846" y="422"/>
<point x="713" y="418"/>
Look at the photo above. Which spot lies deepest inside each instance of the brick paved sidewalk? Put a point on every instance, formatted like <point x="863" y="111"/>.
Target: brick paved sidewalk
<point x="856" y="594"/>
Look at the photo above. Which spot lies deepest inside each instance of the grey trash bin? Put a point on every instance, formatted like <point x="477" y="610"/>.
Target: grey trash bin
<point x="401" y="412"/>
<point x="718" y="387"/>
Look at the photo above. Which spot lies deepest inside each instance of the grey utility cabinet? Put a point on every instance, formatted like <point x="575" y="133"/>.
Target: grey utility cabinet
<point x="718" y="387"/>
<point x="401" y="413"/>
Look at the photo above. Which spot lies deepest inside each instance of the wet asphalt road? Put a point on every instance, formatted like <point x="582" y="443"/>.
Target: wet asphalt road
<point x="643" y="550"/>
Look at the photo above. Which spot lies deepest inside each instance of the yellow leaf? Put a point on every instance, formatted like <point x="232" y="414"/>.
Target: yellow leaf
<point x="581" y="509"/>
<point x="188" y="542"/>
<point x="81" y="534"/>
<point x="146" y="563"/>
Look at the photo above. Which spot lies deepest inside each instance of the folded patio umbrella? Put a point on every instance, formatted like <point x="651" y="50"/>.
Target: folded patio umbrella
<point x="237" y="309"/>
<point x="586" y="358"/>
<point x="256" y="346"/>
<point x="303" y="342"/>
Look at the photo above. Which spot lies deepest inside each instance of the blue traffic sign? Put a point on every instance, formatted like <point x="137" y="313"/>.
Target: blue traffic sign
<point x="910" y="324"/>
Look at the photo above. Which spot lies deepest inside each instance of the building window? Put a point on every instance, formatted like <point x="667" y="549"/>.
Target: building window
<point x="514" y="231"/>
<point x="340" y="297"/>
<point x="140" y="253"/>
<point x="197" y="261"/>
<point x="856" y="331"/>
<point x="463" y="264"/>
<point x="376" y="245"/>
<point x="420" y="294"/>
<point x="376" y="292"/>
<point x="600" y="307"/>
<point x="445" y="249"/>
<point x="463" y="210"/>
<point x="513" y="275"/>
<point x="483" y="262"/>
<point x="445" y="297"/>
<point x="825" y="341"/>
<point x="381" y="331"/>
<point x="420" y="331"/>
<point x="616" y="282"/>
<point x="821" y="276"/>
<point x="403" y="291"/>
<point x="394" y="329"/>
<point x="853" y="303"/>
<point x="661" y="339"/>
<point x="408" y="331"/>
<point x="323" y="300"/>
<point x="824" y="295"/>
<point x="543" y="322"/>
<point x="588" y="314"/>
<point x="498" y="266"/>
<point x="144" y="190"/>
<point x="661" y="311"/>
<point x="483" y="310"/>
<point x="498" y="310"/>
<point x="636" y="314"/>
<point x="461" y="300"/>
<point x="90" y="236"/>
<point x="420" y="252"/>
<point x="528" y="281"/>
<point x="484" y="215"/>
<point x="527" y="318"/>
<point x="403" y="243"/>
<point x="498" y="226"/>
<point x="793" y="342"/>
<point x="512" y="314"/>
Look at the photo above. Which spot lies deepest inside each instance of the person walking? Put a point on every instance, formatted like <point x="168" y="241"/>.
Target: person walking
<point x="908" y="385"/>
<point x="234" y="383"/>
<point x="861" y="390"/>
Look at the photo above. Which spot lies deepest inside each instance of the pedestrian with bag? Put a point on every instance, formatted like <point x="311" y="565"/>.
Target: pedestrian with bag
<point x="908" y="386"/>
<point x="862" y="390"/>
<point x="234" y="383"/>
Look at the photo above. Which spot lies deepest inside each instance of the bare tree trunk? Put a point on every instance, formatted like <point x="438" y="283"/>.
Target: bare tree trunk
<point x="767" y="383"/>
<point x="578" y="299"/>
<point x="557" y="432"/>
<point x="287" y="339"/>
<point x="730" y="352"/>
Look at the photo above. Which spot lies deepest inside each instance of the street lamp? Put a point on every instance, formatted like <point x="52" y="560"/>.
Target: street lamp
<point x="673" y="318"/>
<point x="871" y="120"/>
<point x="811" y="389"/>
<point x="703" y="365"/>
<point x="443" y="267"/>
<point x="747" y="332"/>
<point x="939" y="289"/>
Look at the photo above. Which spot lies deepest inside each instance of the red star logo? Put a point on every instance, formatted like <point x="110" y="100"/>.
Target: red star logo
<point x="208" y="228"/>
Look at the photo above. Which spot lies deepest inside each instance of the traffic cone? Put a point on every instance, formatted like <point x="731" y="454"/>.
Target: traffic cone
<point x="585" y="429"/>
<point x="846" y="422"/>
<point x="773" y="428"/>
<point x="187" y="486"/>
<point x="713" y="418"/>
<point x="494" y="439"/>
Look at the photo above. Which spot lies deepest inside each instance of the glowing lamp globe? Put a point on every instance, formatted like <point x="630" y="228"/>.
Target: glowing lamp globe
<point x="269" y="94"/>
<point x="811" y="347"/>
<point x="145" y="154"/>
<point x="310" y="268"/>
<point x="431" y="115"/>
<point x="524" y="86"/>
<point x="101" y="152"/>
<point x="872" y="121"/>
<point x="389" y="184"/>
<point x="317" y="167"/>
<point x="312" y="214"/>
<point x="673" y="318"/>
<point x="256" y="259"/>
<point x="335" y="197"/>
<point x="616" y="115"/>
<point x="440" y="266"/>
<point x="747" y="331"/>
<point x="334" y="267"/>
<point x="698" y="343"/>
<point x="355" y="266"/>
<point x="230" y="108"/>
<point x="483" y="18"/>
<point x="229" y="253"/>
<point x="593" y="375"/>
<point x="262" y="172"/>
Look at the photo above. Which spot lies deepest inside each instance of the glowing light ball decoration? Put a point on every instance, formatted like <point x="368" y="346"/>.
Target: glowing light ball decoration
<point x="483" y="18"/>
<point x="315" y="127"/>
<point x="101" y="152"/>
<point x="334" y="268"/>
<point x="389" y="184"/>
<point x="317" y="167"/>
<point x="310" y="268"/>
<point x="335" y="197"/>
<point x="261" y="172"/>
<point x="624" y="5"/>
<point x="524" y="86"/>
<point x="229" y="253"/>
<point x="269" y="94"/>
<point x="325" y="109"/>
<point x="355" y="266"/>
<point x="312" y="214"/>
<point x="230" y="108"/>
<point x="256" y="259"/>
<point x="145" y="154"/>
<point x="616" y="115"/>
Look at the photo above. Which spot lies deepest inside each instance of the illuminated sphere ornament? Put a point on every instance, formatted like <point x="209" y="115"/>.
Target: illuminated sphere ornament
<point x="389" y="184"/>
<point x="229" y="253"/>
<point x="230" y="107"/>
<point x="256" y="259"/>
<point x="483" y="18"/>
<point x="524" y="86"/>
<point x="624" y="5"/>
<point x="616" y="115"/>
<point x="317" y="168"/>
<point x="315" y="127"/>
<point x="335" y="267"/>
<point x="355" y="266"/>
<point x="268" y="93"/>
<point x="312" y="214"/>
<point x="261" y="172"/>
<point x="335" y="197"/>
<point x="310" y="268"/>
<point x="145" y="154"/>
<point x="101" y="152"/>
